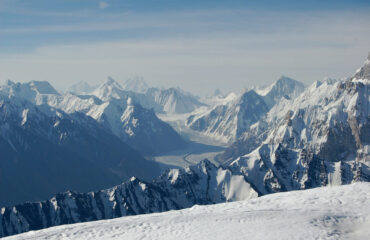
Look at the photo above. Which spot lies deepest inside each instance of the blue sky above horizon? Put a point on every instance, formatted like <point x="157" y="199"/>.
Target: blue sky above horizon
<point x="191" y="44"/>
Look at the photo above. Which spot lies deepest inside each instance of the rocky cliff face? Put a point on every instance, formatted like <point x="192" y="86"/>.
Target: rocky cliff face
<point x="175" y="189"/>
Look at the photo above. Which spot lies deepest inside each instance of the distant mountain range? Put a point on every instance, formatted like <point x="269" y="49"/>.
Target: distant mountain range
<point x="170" y="101"/>
<point x="284" y="137"/>
<point x="119" y="111"/>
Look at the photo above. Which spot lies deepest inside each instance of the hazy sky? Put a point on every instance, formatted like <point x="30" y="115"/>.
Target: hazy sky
<point x="197" y="45"/>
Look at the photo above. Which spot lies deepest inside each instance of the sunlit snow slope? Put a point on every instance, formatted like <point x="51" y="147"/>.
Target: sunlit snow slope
<point x="340" y="212"/>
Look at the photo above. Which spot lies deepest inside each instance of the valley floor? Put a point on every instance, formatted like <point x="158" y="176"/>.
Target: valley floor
<point x="190" y="155"/>
<point x="338" y="212"/>
<point x="199" y="146"/>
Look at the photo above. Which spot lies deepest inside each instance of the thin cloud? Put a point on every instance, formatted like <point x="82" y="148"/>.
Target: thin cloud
<point x="306" y="47"/>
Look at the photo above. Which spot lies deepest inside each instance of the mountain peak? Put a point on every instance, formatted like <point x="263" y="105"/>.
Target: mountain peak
<point x="111" y="82"/>
<point x="364" y="71"/>
<point x="286" y="80"/>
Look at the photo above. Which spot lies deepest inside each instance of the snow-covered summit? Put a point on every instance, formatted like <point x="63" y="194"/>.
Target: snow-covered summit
<point x="284" y="87"/>
<point x="110" y="88"/>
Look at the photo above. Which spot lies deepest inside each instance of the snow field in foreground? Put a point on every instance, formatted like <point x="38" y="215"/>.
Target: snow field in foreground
<point x="340" y="212"/>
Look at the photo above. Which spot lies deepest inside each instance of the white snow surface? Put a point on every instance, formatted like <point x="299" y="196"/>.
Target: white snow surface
<point x="339" y="212"/>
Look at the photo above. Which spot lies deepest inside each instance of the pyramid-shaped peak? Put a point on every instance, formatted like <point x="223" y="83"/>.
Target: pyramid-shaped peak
<point x="285" y="79"/>
<point x="109" y="81"/>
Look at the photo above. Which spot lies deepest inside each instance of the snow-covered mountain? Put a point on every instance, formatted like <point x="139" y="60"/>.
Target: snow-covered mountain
<point x="33" y="91"/>
<point x="170" y="101"/>
<point x="320" y="138"/>
<point x="283" y="88"/>
<point x="137" y="126"/>
<point x="340" y="212"/>
<point x="111" y="89"/>
<point x="117" y="110"/>
<point x="174" y="101"/>
<point x="81" y="88"/>
<point x="229" y="120"/>
<point x="44" y="151"/>
<point x="175" y="189"/>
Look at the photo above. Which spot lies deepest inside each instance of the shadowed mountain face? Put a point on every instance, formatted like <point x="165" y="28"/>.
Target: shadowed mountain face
<point x="44" y="151"/>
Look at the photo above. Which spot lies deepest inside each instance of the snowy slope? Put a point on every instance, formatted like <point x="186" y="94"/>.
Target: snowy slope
<point x="175" y="189"/>
<point x="340" y="212"/>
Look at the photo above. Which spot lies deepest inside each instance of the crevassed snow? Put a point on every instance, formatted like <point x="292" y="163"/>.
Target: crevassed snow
<point x="339" y="212"/>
